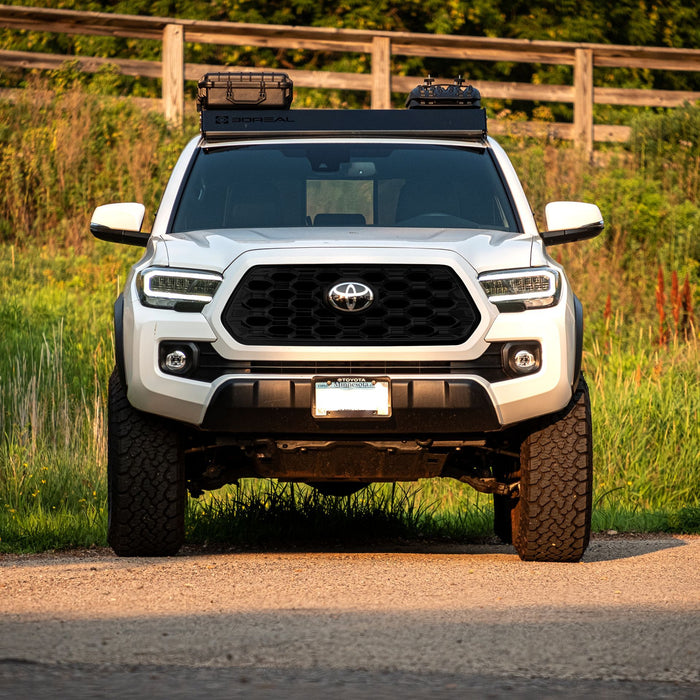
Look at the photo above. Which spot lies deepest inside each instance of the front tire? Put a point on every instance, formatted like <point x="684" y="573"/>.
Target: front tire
<point x="145" y="480"/>
<point x="552" y="516"/>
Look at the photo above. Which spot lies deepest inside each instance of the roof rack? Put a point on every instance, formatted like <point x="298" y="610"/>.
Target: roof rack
<point x="253" y="105"/>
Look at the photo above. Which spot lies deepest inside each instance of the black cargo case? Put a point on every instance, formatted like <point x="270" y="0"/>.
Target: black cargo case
<point x="239" y="90"/>
<point x="441" y="95"/>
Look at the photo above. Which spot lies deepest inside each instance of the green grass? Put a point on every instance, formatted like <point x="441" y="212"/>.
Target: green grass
<point x="56" y="354"/>
<point x="269" y="513"/>
<point x="646" y="406"/>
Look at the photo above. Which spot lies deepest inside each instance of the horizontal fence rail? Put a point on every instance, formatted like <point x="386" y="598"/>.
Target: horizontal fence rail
<point x="381" y="46"/>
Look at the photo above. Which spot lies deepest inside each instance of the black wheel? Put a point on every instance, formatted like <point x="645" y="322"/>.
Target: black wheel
<point x="552" y="516"/>
<point x="145" y="480"/>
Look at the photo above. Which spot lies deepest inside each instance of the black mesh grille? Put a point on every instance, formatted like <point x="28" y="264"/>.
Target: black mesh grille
<point x="413" y="305"/>
<point x="211" y="366"/>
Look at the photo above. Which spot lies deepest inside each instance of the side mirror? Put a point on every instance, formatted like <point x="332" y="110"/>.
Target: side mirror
<point x="571" y="221"/>
<point x="120" y="223"/>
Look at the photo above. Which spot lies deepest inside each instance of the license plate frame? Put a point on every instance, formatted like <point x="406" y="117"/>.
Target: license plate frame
<point x="350" y="398"/>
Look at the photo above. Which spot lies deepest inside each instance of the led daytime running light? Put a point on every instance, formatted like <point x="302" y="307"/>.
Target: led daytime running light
<point x="537" y="288"/>
<point x="165" y="287"/>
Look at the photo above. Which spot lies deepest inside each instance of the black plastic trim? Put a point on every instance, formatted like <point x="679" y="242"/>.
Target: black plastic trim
<point x="282" y="407"/>
<point x="114" y="235"/>
<point x="572" y="235"/>
<point x="578" y="352"/>
<point x="211" y="366"/>
<point x="119" y="338"/>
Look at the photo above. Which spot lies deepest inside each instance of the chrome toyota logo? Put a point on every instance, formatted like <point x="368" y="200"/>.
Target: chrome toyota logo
<point x="350" y="296"/>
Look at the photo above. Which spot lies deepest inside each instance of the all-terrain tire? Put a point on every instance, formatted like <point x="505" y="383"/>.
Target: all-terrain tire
<point x="145" y="480"/>
<point x="552" y="517"/>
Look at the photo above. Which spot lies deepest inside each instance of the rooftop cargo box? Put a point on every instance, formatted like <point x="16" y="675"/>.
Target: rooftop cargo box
<point x="244" y="91"/>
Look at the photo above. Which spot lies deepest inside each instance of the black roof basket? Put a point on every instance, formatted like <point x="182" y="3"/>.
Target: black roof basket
<point x="240" y="105"/>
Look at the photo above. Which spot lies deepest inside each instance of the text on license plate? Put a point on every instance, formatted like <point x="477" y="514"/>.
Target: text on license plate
<point x="351" y="397"/>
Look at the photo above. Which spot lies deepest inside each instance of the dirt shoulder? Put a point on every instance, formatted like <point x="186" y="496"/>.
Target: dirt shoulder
<point x="630" y="612"/>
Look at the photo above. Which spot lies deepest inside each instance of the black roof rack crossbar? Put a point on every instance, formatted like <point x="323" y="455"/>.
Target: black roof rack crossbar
<point x="237" y="124"/>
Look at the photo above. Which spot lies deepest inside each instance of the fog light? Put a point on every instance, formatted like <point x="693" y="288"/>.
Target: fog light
<point x="176" y="361"/>
<point x="522" y="358"/>
<point x="178" y="358"/>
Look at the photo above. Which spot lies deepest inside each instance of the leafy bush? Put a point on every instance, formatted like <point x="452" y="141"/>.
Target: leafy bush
<point x="666" y="147"/>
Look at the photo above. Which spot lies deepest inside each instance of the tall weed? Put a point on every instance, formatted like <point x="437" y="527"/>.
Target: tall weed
<point x="666" y="147"/>
<point x="56" y="353"/>
<point x="64" y="150"/>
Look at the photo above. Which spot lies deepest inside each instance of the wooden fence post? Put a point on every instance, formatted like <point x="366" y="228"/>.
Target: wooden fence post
<point x="381" y="72"/>
<point x="583" y="100"/>
<point x="174" y="73"/>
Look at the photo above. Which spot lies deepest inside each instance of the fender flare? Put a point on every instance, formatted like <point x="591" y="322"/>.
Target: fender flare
<point x="119" y="338"/>
<point x="578" y="351"/>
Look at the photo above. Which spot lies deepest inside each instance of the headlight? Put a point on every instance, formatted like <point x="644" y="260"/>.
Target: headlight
<point x="516" y="290"/>
<point x="182" y="290"/>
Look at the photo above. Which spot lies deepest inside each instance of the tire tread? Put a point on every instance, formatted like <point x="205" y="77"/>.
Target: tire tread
<point x="146" y="483"/>
<point x="553" y="514"/>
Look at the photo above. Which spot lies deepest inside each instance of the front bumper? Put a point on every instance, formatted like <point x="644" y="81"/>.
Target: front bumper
<point x="282" y="408"/>
<point x="451" y="403"/>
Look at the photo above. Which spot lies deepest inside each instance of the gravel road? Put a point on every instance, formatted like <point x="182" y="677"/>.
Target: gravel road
<point x="434" y="621"/>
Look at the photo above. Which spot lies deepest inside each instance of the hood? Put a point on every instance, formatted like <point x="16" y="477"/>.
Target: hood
<point x="215" y="250"/>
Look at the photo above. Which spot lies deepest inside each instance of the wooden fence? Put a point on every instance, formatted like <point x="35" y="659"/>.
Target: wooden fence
<point x="381" y="46"/>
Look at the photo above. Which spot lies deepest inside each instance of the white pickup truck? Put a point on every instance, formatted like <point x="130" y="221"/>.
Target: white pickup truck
<point x="341" y="297"/>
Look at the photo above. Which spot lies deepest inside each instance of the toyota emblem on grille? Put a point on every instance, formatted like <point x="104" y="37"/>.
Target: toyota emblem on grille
<point x="350" y="296"/>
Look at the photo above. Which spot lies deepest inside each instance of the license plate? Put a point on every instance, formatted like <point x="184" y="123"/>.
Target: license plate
<point x="351" y="397"/>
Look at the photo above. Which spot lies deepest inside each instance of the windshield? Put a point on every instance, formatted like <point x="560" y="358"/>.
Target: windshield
<point x="347" y="184"/>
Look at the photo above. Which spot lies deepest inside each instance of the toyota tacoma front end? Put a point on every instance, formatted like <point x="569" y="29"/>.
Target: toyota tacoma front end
<point x="345" y="297"/>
